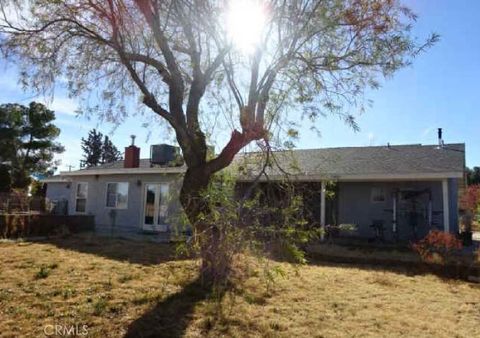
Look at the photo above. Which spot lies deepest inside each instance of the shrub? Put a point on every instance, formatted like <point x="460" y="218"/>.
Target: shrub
<point x="44" y="272"/>
<point x="438" y="247"/>
<point x="248" y="221"/>
<point x="100" y="306"/>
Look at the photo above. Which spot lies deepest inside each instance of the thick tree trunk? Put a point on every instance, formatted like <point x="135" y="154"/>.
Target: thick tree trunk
<point x="196" y="181"/>
<point x="215" y="262"/>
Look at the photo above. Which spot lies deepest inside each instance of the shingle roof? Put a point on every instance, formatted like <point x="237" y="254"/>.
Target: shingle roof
<point x="363" y="161"/>
<point x="413" y="159"/>
<point x="114" y="168"/>
<point x="144" y="163"/>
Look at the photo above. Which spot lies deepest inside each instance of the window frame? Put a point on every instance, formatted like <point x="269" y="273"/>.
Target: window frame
<point x="77" y="198"/>
<point x="372" y="195"/>
<point x="116" y="200"/>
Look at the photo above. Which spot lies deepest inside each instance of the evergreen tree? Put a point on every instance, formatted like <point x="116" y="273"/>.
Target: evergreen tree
<point x="5" y="180"/>
<point x="39" y="189"/>
<point x="98" y="150"/>
<point x="92" y="149"/>
<point x="110" y="152"/>
<point x="473" y="175"/>
<point x="27" y="137"/>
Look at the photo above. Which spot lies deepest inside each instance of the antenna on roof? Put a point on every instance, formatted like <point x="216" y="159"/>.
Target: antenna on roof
<point x="133" y="139"/>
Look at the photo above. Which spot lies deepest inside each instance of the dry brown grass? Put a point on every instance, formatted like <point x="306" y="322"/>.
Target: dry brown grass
<point x="124" y="288"/>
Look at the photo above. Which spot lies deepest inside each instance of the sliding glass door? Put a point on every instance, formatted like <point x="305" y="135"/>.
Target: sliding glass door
<point x="155" y="207"/>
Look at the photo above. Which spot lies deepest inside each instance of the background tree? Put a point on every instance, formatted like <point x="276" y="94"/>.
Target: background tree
<point x="110" y="153"/>
<point x="92" y="148"/>
<point x="5" y="180"/>
<point x="98" y="149"/>
<point x="27" y="140"/>
<point x="260" y="65"/>
<point x="473" y="176"/>
<point x="38" y="189"/>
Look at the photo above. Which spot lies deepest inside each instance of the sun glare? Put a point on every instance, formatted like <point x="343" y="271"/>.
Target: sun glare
<point x="245" y="22"/>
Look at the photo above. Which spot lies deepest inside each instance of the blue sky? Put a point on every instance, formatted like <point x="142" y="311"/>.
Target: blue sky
<point x="440" y="90"/>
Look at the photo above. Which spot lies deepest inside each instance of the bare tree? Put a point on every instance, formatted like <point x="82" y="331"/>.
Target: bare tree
<point x="311" y="56"/>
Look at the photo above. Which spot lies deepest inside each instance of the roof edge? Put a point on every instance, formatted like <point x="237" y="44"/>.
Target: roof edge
<point x="446" y="145"/>
<point x="119" y="171"/>
<point x="363" y="177"/>
<point x="55" y="179"/>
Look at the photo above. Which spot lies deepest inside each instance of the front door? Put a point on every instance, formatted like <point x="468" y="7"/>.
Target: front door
<point x="155" y="207"/>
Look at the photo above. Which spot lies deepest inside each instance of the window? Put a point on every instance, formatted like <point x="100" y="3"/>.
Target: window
<point x="117" y="195"/>
<point x="81" y="197"/>
<point x="378" y="195"/>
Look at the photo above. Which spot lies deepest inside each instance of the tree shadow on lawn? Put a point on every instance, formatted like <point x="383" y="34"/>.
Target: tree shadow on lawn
<point x="403" y="262"/>
<point x="410" y="269"/>
<point x="137" y="252"/>
<point x="170" y="317"/>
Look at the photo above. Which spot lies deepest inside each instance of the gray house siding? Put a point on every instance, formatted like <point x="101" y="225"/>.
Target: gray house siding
<point x="355" y="206"/>
<point x="354" y="203"/>
<point x="130" y="217"/>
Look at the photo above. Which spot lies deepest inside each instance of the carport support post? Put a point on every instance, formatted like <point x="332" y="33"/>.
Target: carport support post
<point x="446" y="205"/>
<point x="322" y="208"/>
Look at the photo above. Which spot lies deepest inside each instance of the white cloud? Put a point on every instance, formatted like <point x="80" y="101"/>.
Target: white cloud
<point x="61" y="105"/>
<point x="72" y="122"/>
<point x="427" y="131"/>
<point x="72" y="154"/>
<point x="371" y="139"/>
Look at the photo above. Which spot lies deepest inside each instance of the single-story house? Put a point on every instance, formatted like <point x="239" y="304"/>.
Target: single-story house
<point x="400" y="191"/>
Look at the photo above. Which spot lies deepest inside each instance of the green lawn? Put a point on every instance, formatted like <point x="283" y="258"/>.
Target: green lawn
<point x="119" y="288"/>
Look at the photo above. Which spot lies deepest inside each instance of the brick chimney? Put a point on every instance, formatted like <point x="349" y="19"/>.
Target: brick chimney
<point x="132" y="155"/>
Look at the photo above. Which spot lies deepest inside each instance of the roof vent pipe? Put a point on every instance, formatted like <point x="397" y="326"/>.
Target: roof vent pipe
<point x="440" y="139"/>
